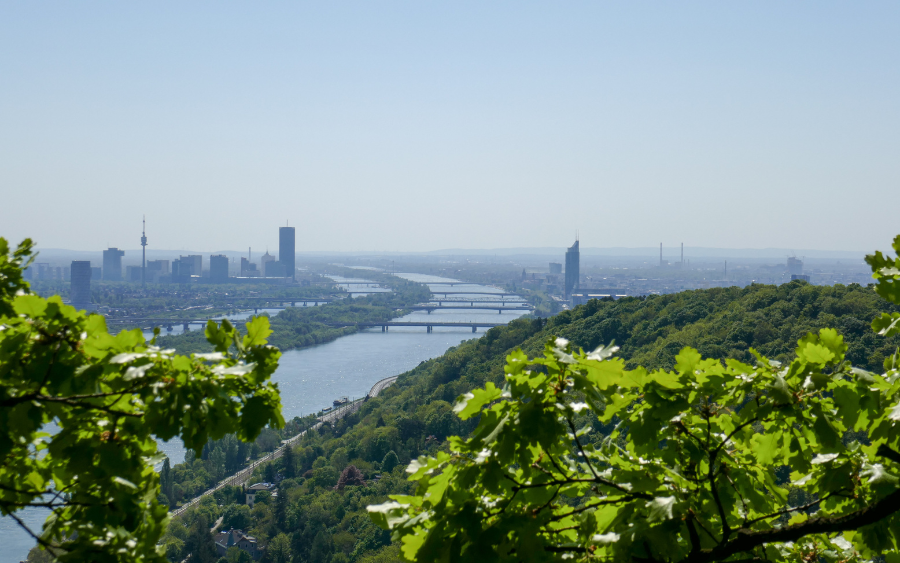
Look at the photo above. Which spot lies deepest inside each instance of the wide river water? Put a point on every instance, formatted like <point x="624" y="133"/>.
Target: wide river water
<point x="311" y="378"/>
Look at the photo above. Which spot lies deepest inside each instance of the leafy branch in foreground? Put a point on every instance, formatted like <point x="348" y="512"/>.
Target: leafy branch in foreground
<point x="81" y="410"/>
<point x="696" y="464"/>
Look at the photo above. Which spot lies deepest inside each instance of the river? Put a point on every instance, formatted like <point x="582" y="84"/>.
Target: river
<point x="311" y="378"/>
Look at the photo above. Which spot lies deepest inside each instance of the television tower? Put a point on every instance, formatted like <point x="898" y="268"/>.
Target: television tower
<point x="144" y="254"/>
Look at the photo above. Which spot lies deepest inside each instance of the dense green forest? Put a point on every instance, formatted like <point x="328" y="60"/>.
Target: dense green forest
<point x="317" y="519"/>
<point x="298" y="327"/>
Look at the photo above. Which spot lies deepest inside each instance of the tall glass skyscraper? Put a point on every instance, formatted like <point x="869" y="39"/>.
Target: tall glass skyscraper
<point x="286" y="240"/>
<point x="112" y="264"/>
<point x="573" y="266"/>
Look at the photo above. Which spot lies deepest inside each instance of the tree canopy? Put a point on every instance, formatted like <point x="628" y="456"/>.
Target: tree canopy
<point x="579" y="456"/>
<point x="81" y="411"/>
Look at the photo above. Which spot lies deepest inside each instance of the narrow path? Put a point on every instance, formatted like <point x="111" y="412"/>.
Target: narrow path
<point x="244" y="475"/>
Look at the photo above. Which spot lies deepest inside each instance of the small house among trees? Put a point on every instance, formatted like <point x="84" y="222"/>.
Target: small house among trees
<point x="237" y="538"/>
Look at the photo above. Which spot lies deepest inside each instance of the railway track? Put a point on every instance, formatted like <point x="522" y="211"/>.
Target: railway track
<point x="244" y="475"/>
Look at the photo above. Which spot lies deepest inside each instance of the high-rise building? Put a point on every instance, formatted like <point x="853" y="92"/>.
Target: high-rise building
<point x="134" y="274"/>
<point x="555" y="268"/>
<point x="181" y="271"/>
<point x="573" y="267"/>
<point x="286" y="249"/>
<point x="275" y="269"/>
<point x="263" y="260"/>
<point x="157" y="267"/>
<point x="218" y="267"/>
<point x="190" y="265"/>
<point x="112" y="264"/>
<point x="80" y="289"/>
<point x="248" y="268"/>
<point x="795" y="266"/>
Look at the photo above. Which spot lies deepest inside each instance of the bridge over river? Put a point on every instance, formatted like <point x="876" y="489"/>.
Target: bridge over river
<point x="429" y="325"/>
<point x="471" y="307"/>
<point x="494" y="293"/>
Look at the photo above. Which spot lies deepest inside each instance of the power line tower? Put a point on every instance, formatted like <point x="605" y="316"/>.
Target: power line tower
<point x="144" y="254"/>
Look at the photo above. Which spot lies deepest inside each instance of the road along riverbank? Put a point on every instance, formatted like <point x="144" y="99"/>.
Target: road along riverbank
<point x="243" y="475"/>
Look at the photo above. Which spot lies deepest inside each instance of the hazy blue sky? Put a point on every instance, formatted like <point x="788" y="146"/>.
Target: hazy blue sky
<point x="426" y="125"/>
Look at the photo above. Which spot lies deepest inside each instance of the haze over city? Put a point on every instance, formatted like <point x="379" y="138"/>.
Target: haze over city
<point x="411" y="127"/>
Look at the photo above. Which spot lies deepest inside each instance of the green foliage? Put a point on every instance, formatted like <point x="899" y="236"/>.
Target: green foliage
<point x="582" y="455"/>
<point x="236" y="516"/>
<point x="237" y="555"/>
<point x="886" y="272"/>
<point x="81" y="410"/>
<point x="11" y="267"/>
<point x="279" y="550"/>
<point x="200" y="544"/>
<point x="390" y="461"/>
<point x="412" y="416"/>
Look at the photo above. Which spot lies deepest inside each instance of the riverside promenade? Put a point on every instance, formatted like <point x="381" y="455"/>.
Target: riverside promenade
<point x="244" y="475"/>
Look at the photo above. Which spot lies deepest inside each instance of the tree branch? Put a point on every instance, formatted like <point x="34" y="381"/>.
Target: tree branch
<point x="731" y="435"/>
<point x="747" y="540"/>
<point x="726" y="529"/>
<point x="581" y="449"/>
<point x="692" y="532"/>
<point x="887" y="452"/>
<point x="789" y="510"/>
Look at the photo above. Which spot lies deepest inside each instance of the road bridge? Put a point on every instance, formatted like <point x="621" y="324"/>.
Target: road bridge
<point x="471" y="307"/>
<point x="301" y="299"/>
<point x="168" y="323"/>
<point x="429" y="325"/>
<point x="367" y="284"/>
<point x="494" y="293"/>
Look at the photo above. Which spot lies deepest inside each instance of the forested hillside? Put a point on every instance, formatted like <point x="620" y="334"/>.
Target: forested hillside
<point x="318" y="520"/>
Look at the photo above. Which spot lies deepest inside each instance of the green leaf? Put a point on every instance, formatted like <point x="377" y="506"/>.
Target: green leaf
<point x="780" y="390"/>
<point x="887" y="324"/>
<point x="660" y="509"/>
<point x="258" y="332"/>
<point x="30" y="306"/>
<point x="471" y="404"/>
<point x="768" y="447"/>
<point x="686" y="360"/>
<point x="815" y="353"/>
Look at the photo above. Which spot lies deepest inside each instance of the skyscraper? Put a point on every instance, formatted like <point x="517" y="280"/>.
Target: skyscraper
<point x="80" y="291"/>
<point x="573" y="267"/>
<point x="191" y="265"/>
<point x="218" y="267"/>
<point x="286" y="239"/>
<point x="112" y="264"/>
<point x="264" y="261"/>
